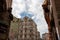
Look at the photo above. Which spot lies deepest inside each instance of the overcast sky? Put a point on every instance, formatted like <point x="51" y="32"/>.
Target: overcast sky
<point x="34" y="8"/>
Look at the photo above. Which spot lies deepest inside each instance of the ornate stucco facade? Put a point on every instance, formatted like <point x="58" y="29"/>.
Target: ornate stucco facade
<point x="24" y="29"/>
<point x="28" y="30"/>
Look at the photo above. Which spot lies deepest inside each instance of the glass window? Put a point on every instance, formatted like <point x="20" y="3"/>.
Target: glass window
<point x="25" y="35"/>
<point x="20" y="30"/>
<point x="1" y="5"/>
<point x="21" y="36"/>
<point x="30" y="35"/>
<point x="58" y="16"/>
<point x="25" y="30"/>
<point x="59" y="22"/>
<point x="31" y="30"/>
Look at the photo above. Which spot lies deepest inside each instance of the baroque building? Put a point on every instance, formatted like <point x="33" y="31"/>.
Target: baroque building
<point x="5" y="18"/>
<point x="24" y="29"/>
<point x="28" y="30"/>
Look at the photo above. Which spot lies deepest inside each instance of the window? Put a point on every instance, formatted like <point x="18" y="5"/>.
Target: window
<point x="59" y="22"/>
<point x="21" y="31"/>
<point x="20" y="36"/>
<point x="31" y="30"/>
<point x="3" y="28"/>
<point x="25" y="35"/>
<point x="25" y="30"/>
<point x="1" y="5"/>
<point x="30" y="35"/>
<point x="58" y="16"/>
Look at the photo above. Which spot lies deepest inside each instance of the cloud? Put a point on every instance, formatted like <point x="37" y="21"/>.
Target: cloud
<point x="35" y="8"/>
<point x="23" y="14"/>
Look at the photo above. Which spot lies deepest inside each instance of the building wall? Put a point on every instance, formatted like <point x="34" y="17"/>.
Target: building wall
<point x="48" y="9"/>
<point x="24" y="29"/>
<point x="29" y="30"/>
<point x="45" y="36"/>
<point x="56" y="13"/>
<point x="5" y="19"/>
<point x="14" y="27"/>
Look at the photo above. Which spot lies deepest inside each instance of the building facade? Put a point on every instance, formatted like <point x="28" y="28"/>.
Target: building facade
<point x="26" y="29"/>
<point x="14" y="27"/>
<point x="49" y="16"/>
<point x="56" y="15"/>
<point x="5" y="18"/>
<point x="45" y="36"/>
